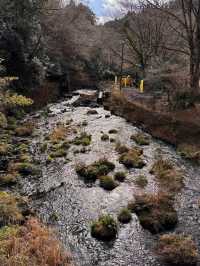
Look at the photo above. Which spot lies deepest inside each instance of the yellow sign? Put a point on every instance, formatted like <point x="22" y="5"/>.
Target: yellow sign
<point x="142" y="86"/>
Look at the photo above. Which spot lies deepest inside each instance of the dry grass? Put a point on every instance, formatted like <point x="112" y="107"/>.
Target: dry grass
<point x="25" y="130"/>
<point x="31" y="245"/>
<point x="60" y="133"/>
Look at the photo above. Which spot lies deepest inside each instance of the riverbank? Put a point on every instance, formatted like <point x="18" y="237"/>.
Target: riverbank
<point x="177" y="128"/>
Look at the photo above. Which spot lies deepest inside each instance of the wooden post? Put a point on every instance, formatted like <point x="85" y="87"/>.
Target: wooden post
<point x="122" y="63"/>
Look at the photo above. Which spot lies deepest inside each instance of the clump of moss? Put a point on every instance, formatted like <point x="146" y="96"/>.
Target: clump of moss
<point x="141" y="139"/>
<point x="25" y="130"/>
<point x="107" y="182"/>
<point x="120" y="176"/>
<point x="167" y="175"/>
<point x="141" y="181"/>
<point x="24" y="168"/>
<point x="120" y="148"/>
<point x="92" y="112"/>
<point x="84" y="139"/>
<point x="155" y="212"/>
<point x="9" y="210"/>
<point x="190" y="152"/>
<point x="58" y="153"/>
<point x="177" y="249"/>
<point x="125" y="216"/>
<point x="105" y="228"/>
<point x="113" y="131"/>
<point x="3" y="120"/>
<point x="132" y="159"/>
<point x="9" y="178"/>
<point x="95" y="170"/>
<point x="104" y="137"/>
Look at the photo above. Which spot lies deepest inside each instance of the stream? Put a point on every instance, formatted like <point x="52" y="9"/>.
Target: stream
<point x="61" y="193"/>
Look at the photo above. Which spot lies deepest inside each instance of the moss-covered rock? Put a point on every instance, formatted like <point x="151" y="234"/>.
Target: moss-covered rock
<point x="155" y="212"/>
<point x="3" y="120"/>
<point x="141" y="181"/>
<point x="105" y="228"/>
<point x="95" y="170"/>
<point x="84" y="139"/>
<point x="132" y="159"/>
<point x="120" y="176"/>
<point x="141" y="139"/>
<point x="125" y="216"/>
<point x="107" y="182"/>
<point x="168" y="176"/>
<point x="177" y="249"/>
<point x="104" y="137"/>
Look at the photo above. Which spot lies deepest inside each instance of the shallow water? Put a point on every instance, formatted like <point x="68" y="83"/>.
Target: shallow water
<point x="76" y="204"/>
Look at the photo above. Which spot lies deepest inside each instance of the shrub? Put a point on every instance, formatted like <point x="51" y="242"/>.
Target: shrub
<point x="9" y="178"/>
<point x="124" y="216"/>
<point x="3" y="120"/>
<point x="4" y="149"/>
<point x="121" y="148"/>
<point x="30" y="245"/>
<point x="177" y="250"/>
<point x="105" y="228"/>
<point x="113" y="131"/>
<point x="59" y="133"/>
<point x="104" y="137"/>
<point x="141" y="181"/>
<point x="92" y="112"/>
<point x="97" y="169"/>
<point x="190" y="152"/>
<point x="25" y="130"/>
<point x="84" y="139"/>
<point x="107" y="182"/>
<point x="120" y="176"/>
<point x="58" y="153"/>
<point x="24" y="168"/>
<point x="9" y="210"/>
<point x="18" y="100"/>
<point x="141" y="139"/>
<point x="132" y="159"/>
<point x="155" y="212"/>
<point x="167" y="175"/>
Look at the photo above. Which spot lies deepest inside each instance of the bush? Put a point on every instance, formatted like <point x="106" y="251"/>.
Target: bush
<point x="104" y="137"/>
<point x="190" y="152"/>
<point x="125" y="216"/>
<point x="4" y="149"/>
<point x="177" y="250"/>
<point x="9" y="178"/>
<point x="167" y="175"/>
<point x="30" y="245"/>
<point x="59" y="134"/>
<point x="107" y="182"/>
<point x="3" y="120"/>
<point x="97" y="169"/>
<point x="84" y="139"/>
<point x="141" y="139"/>
<point x="155" y="212"/>
<point x="132" y="159"/>
<point x="24" y="131"/>
<point x="120" y="176"/>
<point x="141" y="181"/>
<point x="24" y="168"/>
<point x="121" y="148"/>
<point x="105" y="228"/>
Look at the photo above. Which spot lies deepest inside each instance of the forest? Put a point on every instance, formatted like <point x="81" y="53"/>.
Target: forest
<point x="99" y="132"/>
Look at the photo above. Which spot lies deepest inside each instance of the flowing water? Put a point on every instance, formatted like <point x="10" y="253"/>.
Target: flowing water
<point x="64" y="195"/>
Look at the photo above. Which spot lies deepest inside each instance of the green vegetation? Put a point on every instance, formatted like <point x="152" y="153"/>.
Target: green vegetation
<point x="95" y="170"/>
<point x="9" y="178"/>
<point x="120" y="176"/>
<point x="155" y="212"/>
<point x="3" y="120"/>
<point x="120" y="148"/>
<point x="24" y="130"/>
<point x="104" y="137"/>
<point x="4" y="149"/>
<point x="167" y="175"/>
<point x="141" y="139"/>
<point x="178" y="250"/>
<point x="105" y="228"/>
<point x="141" y="181"/>
<point x="107" y="182"/>
<point x="84" y="139"/>
<point x="24" y="168"/>
<point x="190" y="152"/>
<point x="132" y="159"/>
<point x="125" y="216"/>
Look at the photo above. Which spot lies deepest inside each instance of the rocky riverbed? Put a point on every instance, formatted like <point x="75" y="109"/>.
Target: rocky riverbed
<point x="62" y="199"/>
